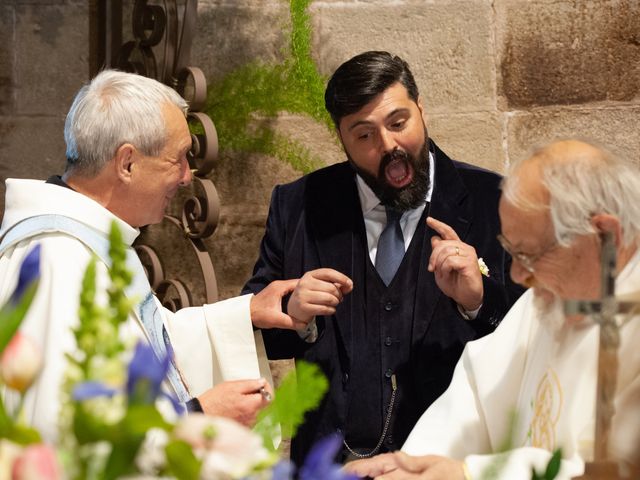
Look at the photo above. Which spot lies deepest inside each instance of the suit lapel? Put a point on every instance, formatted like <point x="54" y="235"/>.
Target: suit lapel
<point x="449" y="204"/>
<point x="335" y="219"/>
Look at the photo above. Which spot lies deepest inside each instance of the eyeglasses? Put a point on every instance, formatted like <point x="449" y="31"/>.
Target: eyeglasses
<point x="525" y="259"/>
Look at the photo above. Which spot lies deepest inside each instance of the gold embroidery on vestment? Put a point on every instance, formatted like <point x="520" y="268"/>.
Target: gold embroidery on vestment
<point x="546" y="412"/>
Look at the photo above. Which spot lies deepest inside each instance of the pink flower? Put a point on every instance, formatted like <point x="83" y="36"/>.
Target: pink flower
<point x="37" y="462"/>
<point x="226" y="447"/>
<point x="21" y="363"/>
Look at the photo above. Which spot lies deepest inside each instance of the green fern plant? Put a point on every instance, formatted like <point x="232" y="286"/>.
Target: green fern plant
<point x="245" y="102"/>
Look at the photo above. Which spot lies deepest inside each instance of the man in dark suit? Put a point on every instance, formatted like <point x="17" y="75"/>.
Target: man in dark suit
<point x="367" y="228"/>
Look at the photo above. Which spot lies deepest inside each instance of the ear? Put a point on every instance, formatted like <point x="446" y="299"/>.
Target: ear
<point x="421" y="108"/>
<point x="125" y="158"/>
<point x="604" y="222"/>
<point x="340" y="136"/>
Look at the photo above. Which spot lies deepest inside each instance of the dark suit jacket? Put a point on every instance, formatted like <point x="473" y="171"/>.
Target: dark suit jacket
<point x="312" y="224"/>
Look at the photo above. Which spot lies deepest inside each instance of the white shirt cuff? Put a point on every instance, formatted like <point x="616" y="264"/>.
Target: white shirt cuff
<point x="469" y="314"/>
<point x="310" y="333"/>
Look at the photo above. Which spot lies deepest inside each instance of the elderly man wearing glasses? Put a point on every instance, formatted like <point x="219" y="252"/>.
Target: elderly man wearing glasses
<point x="532" y="383"/>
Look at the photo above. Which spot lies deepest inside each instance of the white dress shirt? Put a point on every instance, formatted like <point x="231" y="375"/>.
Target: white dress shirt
<point x="375" y="215"/>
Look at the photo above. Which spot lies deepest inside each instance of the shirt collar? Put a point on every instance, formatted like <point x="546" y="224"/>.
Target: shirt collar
<point x="369" y="200"/>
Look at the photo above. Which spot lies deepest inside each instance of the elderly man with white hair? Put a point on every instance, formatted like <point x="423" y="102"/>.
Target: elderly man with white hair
<point x="127" y="143"/>
<point x="534" y="379"/>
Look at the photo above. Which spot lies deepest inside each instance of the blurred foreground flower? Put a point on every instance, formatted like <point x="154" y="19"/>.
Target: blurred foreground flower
<point x="20" y="358"/>
<point x="21" y="362"/>
<point x="144" y="381"/>
<point x="320" y="462"/>
<point x="227" y="448"/>
<point x="121" y="430"/>
<point x="14" y="310"/>
<point x="29" y="272"/>
<point x="9" y="452"/>
<point x="36" y="462"/>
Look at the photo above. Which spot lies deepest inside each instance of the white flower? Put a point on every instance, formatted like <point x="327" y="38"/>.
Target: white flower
<point x="227" y="449"/>
<point x="151" y="457"/>
<point x="484" y="270"/>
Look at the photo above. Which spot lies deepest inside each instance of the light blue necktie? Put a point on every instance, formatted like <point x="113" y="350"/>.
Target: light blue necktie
<point x="390" y="247"/>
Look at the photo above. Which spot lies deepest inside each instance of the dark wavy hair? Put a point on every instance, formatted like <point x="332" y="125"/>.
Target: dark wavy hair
<point x="359" y="80"/>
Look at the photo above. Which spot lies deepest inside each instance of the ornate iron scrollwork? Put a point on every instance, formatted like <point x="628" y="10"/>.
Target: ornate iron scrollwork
<point x="161" y="47"/>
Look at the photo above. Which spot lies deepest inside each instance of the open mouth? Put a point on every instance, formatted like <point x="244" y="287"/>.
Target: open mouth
<point x="398" y="172"/>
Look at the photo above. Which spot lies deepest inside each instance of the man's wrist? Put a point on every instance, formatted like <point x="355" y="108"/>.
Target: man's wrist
<point x="468" y="314"/>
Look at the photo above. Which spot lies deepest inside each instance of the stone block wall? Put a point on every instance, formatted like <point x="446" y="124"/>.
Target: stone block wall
<point x="496" y="78"/>
<point x="44" y="53"/>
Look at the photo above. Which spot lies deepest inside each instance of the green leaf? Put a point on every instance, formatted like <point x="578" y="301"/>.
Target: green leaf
<point x="140" y="418"/>
<point x="5" y="422"/>
<point x="11" y="316"/>
<point x="181" y="460"/>
<point x="122" y="459"/>
<point x="553" y="468"/>
<point x="128" y="436"/>
<point x="23" y="435"/>
<point x="88" y="428"/>
<point x="300" y="392"/>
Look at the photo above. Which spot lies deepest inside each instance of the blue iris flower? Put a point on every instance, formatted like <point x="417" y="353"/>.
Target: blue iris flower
<point x="144" y="381"/>
<point x="283" y="470"/>
<point x="320" y="465"/>
<point x="146" y="374"/>
<point x="29" y="273"/>
<point x="86" y="390"/>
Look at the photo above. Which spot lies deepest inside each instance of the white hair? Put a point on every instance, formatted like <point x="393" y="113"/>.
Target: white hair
<point x="113" y="109"/>
<point x="587" y="183"/>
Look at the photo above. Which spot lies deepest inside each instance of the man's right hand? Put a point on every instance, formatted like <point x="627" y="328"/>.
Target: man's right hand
<point x="266" y="306"/>
<point x="318" y="293"/>
<point x="239" y="400"/>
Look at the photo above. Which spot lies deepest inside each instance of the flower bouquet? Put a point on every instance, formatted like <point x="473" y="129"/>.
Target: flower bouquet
<point x="116" y="420"/>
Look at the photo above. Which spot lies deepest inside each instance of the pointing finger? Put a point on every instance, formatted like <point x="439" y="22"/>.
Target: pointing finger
<point x="444" y="230"/>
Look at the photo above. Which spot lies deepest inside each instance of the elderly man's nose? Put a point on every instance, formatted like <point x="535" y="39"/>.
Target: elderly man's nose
<point x="519" y="274"/>
<point x="186" y="177"/>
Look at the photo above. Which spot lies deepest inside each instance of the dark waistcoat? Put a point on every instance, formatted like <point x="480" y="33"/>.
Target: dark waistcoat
<point x="382" y="353"/>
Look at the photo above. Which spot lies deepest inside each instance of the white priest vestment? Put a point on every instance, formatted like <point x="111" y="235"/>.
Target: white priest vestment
<point x="548" y="380"/>
<point x="212" y="343"/>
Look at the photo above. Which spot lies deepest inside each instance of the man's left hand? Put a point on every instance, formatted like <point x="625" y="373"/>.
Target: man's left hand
<point x="266" y="306"/>
<point x="427" y="467"/>
<point x="455" y="265"/>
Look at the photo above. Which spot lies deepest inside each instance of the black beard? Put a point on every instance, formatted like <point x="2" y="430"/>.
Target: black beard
<point x="408" y="197"/>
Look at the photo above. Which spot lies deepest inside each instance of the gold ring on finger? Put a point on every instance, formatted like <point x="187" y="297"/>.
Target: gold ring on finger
<point x="457" y="251"/>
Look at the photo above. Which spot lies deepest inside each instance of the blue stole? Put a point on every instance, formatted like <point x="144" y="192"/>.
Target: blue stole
<point x="147" y="309"/>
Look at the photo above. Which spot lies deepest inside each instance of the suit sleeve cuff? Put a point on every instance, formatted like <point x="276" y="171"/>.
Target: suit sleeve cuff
<point x="194" y="406"/>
